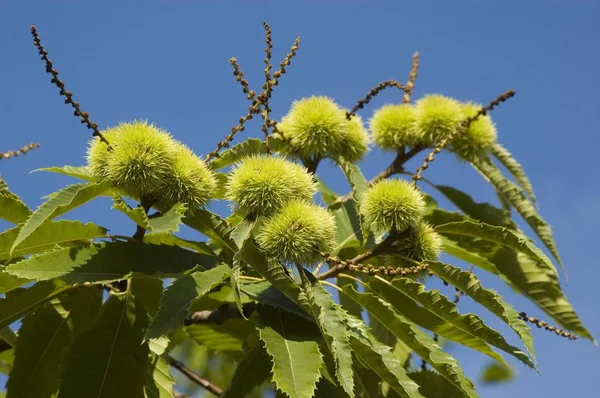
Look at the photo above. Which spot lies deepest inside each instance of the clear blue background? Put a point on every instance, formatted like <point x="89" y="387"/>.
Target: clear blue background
<point x="168" y="62"/>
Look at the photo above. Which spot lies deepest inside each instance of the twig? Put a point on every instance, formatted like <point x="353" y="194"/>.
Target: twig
<point x="146" y="202"/>
<point x="340" y="266"/>
<point x="267" y="87"/>
<point x="373" y="92"/>
<point x="543" y="324"/>
<point x="22" y="151"/>
<point x="85" y="117"/>
<point x="180" y="366"/>
<point x="412" y="77"/>
<point x="239" y="76"/>
<point x="220" y="315"/>
<point x="355" y="264"/>
<point x="461" y="126"/>
<point x="262" y="100"/>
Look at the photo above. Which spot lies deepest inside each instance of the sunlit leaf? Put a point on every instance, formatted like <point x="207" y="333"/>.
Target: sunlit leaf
<point x="468" y="283"/>
<point x="136" y="214"/>
<point x="12" y="209"/>
<point x="500" y="235"/>
<point x="48" y="236"/>
<point x="379" y="358"/>
<point x="81" y="172"/>
<point x="159" y="382"/>
<point x="109" y="261"/>
<point x="249" y="147"/>
<point x="334" y="330"/>
<point x="348" y="227"/>
<point x="59" y="203"/>
<point x="541" y="287"/>
<point x="292" y="343"/>
<point x="415" y="338"/>
<point x="213" y="227"/>
<point x="520" y="202"/>
<point x="435" y="312"/>
<point x="9" y="282"/>
<point x="514" y="168"/>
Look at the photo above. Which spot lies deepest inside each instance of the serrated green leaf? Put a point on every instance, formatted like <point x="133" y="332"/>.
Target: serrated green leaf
<point x="59" y="203"/>
<point x="172" y="240"/>
<point x="159" y="382"/>
<point x="136" y="214"/>
<point x="519" y="201"/>
<point x="48" y="236"/>
<point x="292" y="343"/>
<point x="23" y="302"/>
<point x="109" y="355"/>
<point x="213" y="227"/>
<point x="348" y="227"/>
<point x="437" y="304"/>
<point x="180" y="295"/>
<point x="379" y="358"/>
<point x="241" y="232"/>
<point x="356" y="179"/>
<point x="349" y="305"/>
<point x="484" y="212"/>
<point x="234" y="281"/>
<point x="274" y="273"/>
<point x="429" y="320"/>
<point x="500" y="235"/>
<point x="81" y="172"/>
<point x="514" y="168"/>
<point x="333" y="328"/>
<point x="253" y="369"/>
<point x="169" y="221"/>
<point x="12" y="209"/>
<point x="454" y="249"/>
<point x="44" y="339"/>
<point x="433" y="385"/>
<point x="468" y="283"/>
<point x="541" y="287"/>
<point x="522" y="273"/>
<point x="227" y="338"/>
<point x="415" y="338"/>
<point x="9" y="282"/>
<point x="359" y="185"/>
<point x="249" y="147"/>
<point x="265" y="293"/>
<point x="109" y="261"/>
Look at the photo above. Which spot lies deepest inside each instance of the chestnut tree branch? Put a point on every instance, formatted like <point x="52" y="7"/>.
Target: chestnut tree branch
<point x="180" y="366"/>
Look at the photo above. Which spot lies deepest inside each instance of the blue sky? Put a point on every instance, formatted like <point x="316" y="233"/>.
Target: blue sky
<point x="167" y="62"/>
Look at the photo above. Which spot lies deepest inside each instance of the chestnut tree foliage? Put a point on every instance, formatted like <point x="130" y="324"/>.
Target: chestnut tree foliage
<point x="299" y="290"/>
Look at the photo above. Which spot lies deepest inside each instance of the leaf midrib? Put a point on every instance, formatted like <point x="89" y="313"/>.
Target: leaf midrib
<point x="112" y="348"/>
